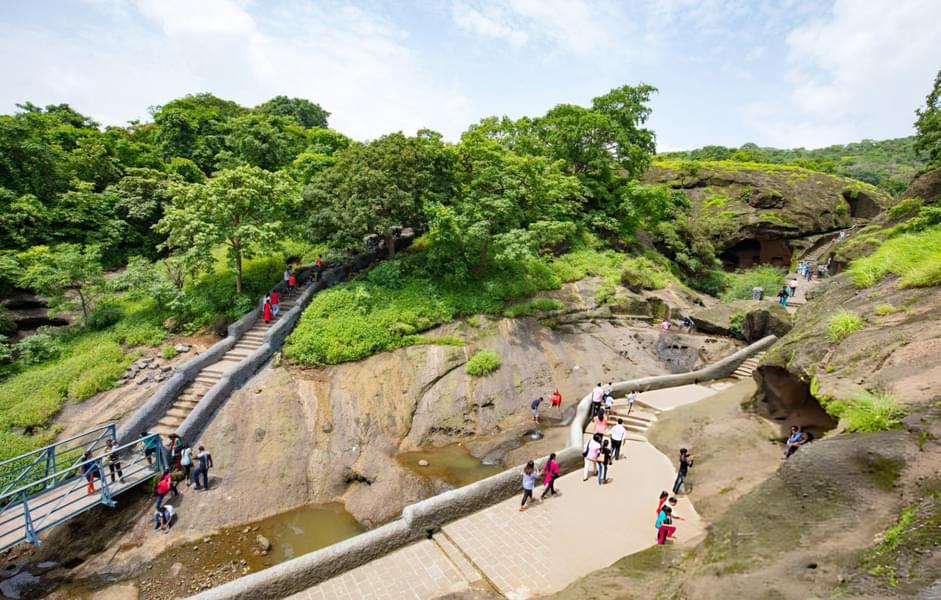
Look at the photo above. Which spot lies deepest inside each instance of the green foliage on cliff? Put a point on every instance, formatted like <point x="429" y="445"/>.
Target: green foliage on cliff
<point x="914" y="257"/>
<point x="841" y="324"/>
<point x="739" y="284"/>
<point x="483" y="362"/>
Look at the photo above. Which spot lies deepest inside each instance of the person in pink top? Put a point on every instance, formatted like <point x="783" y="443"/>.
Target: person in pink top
<point x="601" y="424"/>
<point x="551" y="472"/>
<point x="591" y="455"/>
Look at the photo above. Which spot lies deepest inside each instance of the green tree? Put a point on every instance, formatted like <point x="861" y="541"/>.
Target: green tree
<point x="305" y="112"/>
<point x="56" y="271"/>
<point x="266" y="141"/>
<point x="928" y="124"/>
<point x="377" y="187"/>
<point x="245" y="209"/>
<point x="194" y="127"/>
<point x="140" y="198"/>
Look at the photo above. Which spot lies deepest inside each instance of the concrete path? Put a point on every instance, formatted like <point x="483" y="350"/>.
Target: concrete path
<point x="539" y="551"/>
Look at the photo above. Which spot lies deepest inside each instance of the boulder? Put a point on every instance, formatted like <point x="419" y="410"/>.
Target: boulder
<point x="423" y="463"/>
<point x="717" y="319"/>
<point x="767" y="319"/>
<point x="264" y="544"/>
<point x="182" y="347"/>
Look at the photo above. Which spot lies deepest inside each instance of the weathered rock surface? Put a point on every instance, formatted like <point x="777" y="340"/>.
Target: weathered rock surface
<point x="717" y="319"/>
<point x="768" y="319"/>
<point x="926" y="186"/>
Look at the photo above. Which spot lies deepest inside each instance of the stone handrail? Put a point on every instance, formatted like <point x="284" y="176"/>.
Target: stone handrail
<point x="425" y="516"/>
<point x="717" y="370"/>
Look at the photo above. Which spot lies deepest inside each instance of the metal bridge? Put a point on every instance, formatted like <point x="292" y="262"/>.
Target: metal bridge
<point x="46" y="487"/>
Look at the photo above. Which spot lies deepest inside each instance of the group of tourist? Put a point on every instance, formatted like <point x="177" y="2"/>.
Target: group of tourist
<point x="666" y="513"/>
<point x="182" y="464"/>
<point x="271" y="304"/>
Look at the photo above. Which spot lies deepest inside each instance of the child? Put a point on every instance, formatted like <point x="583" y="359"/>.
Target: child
<point x="665" y="527"/>
<point x="603" y="461"/>
<point x="529" y="483"/>
<point x="551" y="472"/>
<point x="663" y="500"/>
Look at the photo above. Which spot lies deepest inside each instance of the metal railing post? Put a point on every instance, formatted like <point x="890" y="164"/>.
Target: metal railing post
<point x="105" y="490"/>
<point x="50" y="465"/>
<point x="30" y="533"/>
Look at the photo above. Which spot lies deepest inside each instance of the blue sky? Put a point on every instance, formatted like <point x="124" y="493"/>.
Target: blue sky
<point x="780" y="72"/>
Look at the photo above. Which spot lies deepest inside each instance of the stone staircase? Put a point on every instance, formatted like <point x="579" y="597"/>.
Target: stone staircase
<point x="638" y="421"/>
<point x="187" y="400"/>
<point x="748" y="367"/>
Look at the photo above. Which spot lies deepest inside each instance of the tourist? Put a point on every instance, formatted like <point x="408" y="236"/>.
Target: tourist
<point x="782" y="296"/>
<point x="591" y="455"/>
<point x="534" y="405"/>
<point x="671" y="504"/>
<point x="275" y="303"/>
<point x="551" y="472"/>
<point x="266" y="312"/>
<point x="164" y="486"/>
<point x="163" y="517"/>
<point x="665" y="325"/>
<point x="113" y="461"/>
<point x="688" y="324"/>
<point x="151" y="444"/>
<point x="794" y="441"/>
<point x="601" y="424"/>
<point x="529" y="483"/>
<point x="608" y="403"/>
<point x="186" y="461"/>
<point x="618" y="433"/>
<point x="665" y="527"/>
<point x="686" y="461"/>
<point x="757" y="293"/>
<point x="792" y="284"/>
<point x="809" y="272"/>
<point x="292" y="283"/>
<point x="596" y="395"/>
<point x="606" y="391"/>
<point x="204" y="460"/>
<point x="556" y="400"/>
<point x="175" y="448"/>
<point x="318" y="267"/>
<point x="630" y="401"/>
<point x="90" y="471"/>
<point x="663" y="500"/>
<point x="604" y="459"/>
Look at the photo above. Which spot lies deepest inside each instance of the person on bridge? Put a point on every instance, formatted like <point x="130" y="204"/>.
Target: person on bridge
<point x="90" y="471"/>
<point x="113" y="461"/>
<point x="204" y="463"/>
<point x="151" y="445"/>
<point x="551" y="472"/>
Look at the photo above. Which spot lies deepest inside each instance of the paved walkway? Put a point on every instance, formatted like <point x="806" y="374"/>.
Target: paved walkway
<point x="541" y="550"/>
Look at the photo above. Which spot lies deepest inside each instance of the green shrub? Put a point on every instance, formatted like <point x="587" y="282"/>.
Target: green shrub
<point x="643" y="273"/>
<point x="841" y="324"/>
<point x="444" y="340"/>
<point x="914" y="257"/>
<point x="482" y="363"/>
<point x="96" y="379"/>
<point x="168" y="352"/>
<point x="38" y="348"/>
<point x="870" y="411"/>
<point x="906" y="208"/>
<point x="885" y="309"/>
<point x="106" y="313"/>
<point x="139" y="333"/>
<point x="735" y="325"/>
<point x="713" y="282"/>
<point x="524" y="309"/>
<point x="740" y="284"/>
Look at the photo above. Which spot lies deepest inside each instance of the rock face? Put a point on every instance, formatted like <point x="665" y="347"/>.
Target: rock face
<point x="717" y="319"/>
<point x="926" y="186"/>
<point x="768" y="319"/>
<point x="763" y="213"/>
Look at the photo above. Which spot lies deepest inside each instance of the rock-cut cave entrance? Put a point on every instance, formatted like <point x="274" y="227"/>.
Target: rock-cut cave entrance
<point x="757" y="251"/>
<point x="861" y="205"/>
<point x="786" y="399"/>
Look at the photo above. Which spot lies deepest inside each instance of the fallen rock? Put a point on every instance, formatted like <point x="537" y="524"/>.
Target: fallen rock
<point x="766" y="320"/>
<point x="166" y="369"/>
<point x="18" y="585"/>
<point x="716" y="320"/>
<point x="264" y="544"/>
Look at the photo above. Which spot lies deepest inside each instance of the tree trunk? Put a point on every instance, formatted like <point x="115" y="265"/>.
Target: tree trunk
<point x="81" y="298"/>
<point x="238" y="267"/>
<point x="390" y="245"/>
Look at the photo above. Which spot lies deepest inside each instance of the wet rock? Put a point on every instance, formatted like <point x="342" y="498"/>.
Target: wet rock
<point x="9" y="570"/>
<point x="264" y="544"/>
<point x="423" y="463"/>
<point x="18" y="586"/>
<point x="175" y="569"/>
<point x="47" y="564"/>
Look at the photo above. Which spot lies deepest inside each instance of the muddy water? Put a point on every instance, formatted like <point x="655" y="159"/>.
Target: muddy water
<point x="451" y="463"/>
<point x="306" y="529"/>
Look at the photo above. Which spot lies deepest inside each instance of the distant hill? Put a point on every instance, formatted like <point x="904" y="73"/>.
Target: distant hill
<point x="888" y="164"/>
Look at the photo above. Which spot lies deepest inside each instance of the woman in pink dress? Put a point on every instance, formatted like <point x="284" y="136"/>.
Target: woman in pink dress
<point x="551" y="472"/>
<point x="266" y="312"/>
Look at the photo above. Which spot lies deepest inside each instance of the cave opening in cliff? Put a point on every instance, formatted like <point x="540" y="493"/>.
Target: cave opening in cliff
<point x="786" y="399"/>
<point x="757" y="251"/>
<point x="861" y="205"/>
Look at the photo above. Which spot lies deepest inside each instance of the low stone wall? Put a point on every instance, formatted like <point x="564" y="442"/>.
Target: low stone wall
<point x="717" y="370"/>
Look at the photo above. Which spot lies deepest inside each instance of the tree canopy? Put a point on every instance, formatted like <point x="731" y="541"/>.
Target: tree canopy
<point x="928" y="124"/>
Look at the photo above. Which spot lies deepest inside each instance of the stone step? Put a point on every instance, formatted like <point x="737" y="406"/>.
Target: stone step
<point x="207" y="379"/>
<point x="180" y="412"/>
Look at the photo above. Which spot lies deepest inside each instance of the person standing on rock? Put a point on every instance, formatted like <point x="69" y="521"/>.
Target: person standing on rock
<point x="534" y="405"/>
<point x="186" y="461"/>
<point x="275" y="303"/>
<point x="266" y="312"/>
<point x="529" y="484"/>
<point x="686" y="461"/>
<point x="551" y="472"/>
<point x="618" y="433"/>
<point x="204" y="463"/>
<point x="590" y="455"/>
<point x="556" y="400"/>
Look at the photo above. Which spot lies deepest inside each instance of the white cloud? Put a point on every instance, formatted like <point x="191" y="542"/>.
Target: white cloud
<point x="488" y="25"/>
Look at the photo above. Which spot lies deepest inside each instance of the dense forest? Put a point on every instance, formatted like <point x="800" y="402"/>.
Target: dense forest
<point x="888" y="164"/>
<point x="180" y="224"/>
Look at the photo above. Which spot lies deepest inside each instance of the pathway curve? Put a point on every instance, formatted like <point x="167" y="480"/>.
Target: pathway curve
<point x="541" y="550"/>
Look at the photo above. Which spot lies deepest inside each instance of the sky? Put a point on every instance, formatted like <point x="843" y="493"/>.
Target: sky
<point x="784" y="73"/>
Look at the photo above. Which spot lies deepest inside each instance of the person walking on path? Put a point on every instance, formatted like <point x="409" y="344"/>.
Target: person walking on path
<point x="292" y="283"/>
<point x="665" y="527"/>
<point x="618" y="433"/>
<point x="529" y="484"/>
<point x="89" y="471"/>
<point x="630" y="401"/>
<point x="204" y="463"/>
<point x="551" y="472"/>
<point x="601" y="424"/>
<point x="534" y="405"/>
<point x="186" y="462"/>
<point x="318" y="268"/>
<point x="604" y="459"/>
<point x="782" y="296"/>
<point x="113" y="461"/>
<point x="591" y="455"/>
<point x="596" y="396"/>
<point x="275" y="303"/>
<point x="663" y="500"/>
<point x="266" y="312"/>
<point x="792" y="286"/>
<point x="686" y="461"/>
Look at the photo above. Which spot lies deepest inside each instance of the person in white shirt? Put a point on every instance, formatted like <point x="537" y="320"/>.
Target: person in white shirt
<point x="163" y="517"/>
<point x="596" y="396"/>
<point x="618" y="433"/>
<point x="630" y="401"/>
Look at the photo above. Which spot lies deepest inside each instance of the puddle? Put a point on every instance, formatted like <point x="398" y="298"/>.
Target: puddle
<point x="306" y="529"/>
<point x="451" y="463"/>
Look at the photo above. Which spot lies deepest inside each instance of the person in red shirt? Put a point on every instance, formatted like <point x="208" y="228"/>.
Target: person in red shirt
<point x="556" y="400"/>
<point x="318" y="267"/>
<point x="292" y="282"/>
<point x="266" y="312"/>
<point x="275" y="303"/>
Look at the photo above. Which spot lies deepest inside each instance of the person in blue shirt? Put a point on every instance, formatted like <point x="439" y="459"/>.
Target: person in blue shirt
<point x="794" y="441"/>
